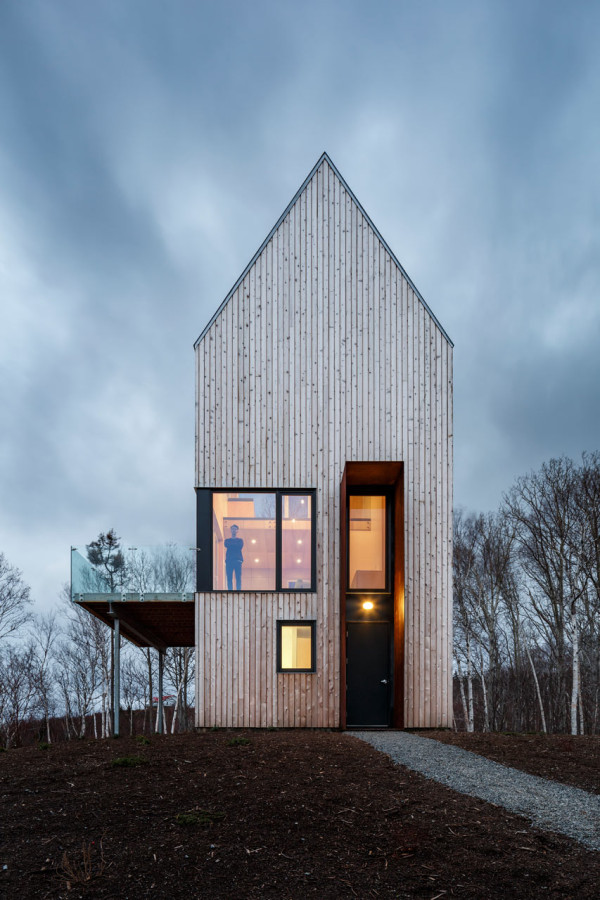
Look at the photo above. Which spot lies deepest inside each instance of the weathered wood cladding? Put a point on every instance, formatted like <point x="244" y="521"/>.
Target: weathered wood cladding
<point x="324" y="353"/>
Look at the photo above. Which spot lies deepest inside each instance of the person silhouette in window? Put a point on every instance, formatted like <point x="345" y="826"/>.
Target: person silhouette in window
<point x="234" y="559"/>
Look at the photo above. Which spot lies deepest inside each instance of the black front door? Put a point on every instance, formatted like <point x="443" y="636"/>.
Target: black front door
<point x="368" y="674"/>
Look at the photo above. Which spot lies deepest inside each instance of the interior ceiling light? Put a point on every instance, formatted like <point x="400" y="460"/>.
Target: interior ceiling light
<point x="253" y="541"/>
<point x="257" y="560"/>
<point x="368" y="604"/>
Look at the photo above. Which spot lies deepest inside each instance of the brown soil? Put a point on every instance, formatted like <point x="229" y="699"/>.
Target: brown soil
<point x="285" y="815"/>
<point x="570" y="760"/>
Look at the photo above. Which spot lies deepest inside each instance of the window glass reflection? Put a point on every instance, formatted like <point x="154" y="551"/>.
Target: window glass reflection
<point x="296" y="544"/>
<point x="367" y="543"/>
<point x="244" y="542"/>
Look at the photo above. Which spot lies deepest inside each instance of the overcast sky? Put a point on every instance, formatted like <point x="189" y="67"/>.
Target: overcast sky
<point x="147" y="148"/>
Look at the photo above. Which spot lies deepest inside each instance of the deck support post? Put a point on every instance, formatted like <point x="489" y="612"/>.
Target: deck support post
<point x="160" y="717"/>
<point x="117" y="676"/>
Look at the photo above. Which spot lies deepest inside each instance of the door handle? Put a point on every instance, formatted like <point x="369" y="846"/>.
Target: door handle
<point x="384" y="681"/>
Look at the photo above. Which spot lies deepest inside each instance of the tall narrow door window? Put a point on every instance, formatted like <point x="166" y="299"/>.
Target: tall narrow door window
<point x="367" y="543"/>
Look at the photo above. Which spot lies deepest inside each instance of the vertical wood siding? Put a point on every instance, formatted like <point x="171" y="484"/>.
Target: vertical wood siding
<point x="322" y="354"/>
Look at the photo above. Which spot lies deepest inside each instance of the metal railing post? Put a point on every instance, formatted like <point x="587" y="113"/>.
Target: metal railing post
<point x="161" y="719"/>
<point x="117" y="676"/>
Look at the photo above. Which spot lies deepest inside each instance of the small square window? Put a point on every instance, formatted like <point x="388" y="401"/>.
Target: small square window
<point x="296" y="646"/>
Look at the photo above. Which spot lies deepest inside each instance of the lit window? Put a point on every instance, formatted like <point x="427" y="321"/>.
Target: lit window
<point x="296" y="526"/>
<point x="367" y="544"/>
<point x="261" y="540"/>
<point x="296" y="646"/>
<point x="241" y="520"/>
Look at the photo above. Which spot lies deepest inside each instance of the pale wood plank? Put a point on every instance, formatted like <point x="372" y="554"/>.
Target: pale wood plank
<point x="323" y="326"/>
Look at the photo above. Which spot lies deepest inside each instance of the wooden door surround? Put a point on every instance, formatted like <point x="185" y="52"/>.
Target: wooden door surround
<point x="376" y="475"/>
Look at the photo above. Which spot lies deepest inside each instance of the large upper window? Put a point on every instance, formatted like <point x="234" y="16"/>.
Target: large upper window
<point x="262" y="540"/>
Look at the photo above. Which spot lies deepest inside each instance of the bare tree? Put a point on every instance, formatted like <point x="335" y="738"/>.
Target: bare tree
<point x="168" y="569"/>
<point x="588" y="515"/>
<point x="484" y="593"/>
<point x="464" y="562"/>
<point x="19" y="697"/>
<point x="134" y="685"/>
<point x="44" y="639"/>
<point x="15" y="599"/>
<point x="173" y="569"/>
<point x="543" y="509"/>
<point x="83" y="670"/>
<point x="179" y="667"/>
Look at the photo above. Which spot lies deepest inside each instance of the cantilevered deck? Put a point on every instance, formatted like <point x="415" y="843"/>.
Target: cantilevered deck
<point x="151" y="596"/>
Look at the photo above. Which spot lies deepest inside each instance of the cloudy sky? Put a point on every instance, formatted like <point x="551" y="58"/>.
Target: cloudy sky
<point x="146" y="149"/>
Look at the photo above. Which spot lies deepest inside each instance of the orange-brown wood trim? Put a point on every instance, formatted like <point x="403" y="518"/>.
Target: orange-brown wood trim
<point x="343" y="586"/>
<point x="365" y="474"/>
<point x="398" y="721"/>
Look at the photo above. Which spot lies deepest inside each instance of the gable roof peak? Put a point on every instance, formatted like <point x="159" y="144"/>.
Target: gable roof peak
<point x="324" y="157"/>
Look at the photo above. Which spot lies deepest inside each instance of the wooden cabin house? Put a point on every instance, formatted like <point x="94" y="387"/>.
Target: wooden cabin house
<point x="324" y="483"/>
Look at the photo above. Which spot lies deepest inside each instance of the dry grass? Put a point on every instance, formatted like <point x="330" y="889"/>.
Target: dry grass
<point x="87" y="866"/>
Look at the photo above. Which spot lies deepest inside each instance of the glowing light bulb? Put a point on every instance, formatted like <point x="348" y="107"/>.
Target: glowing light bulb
<point x="298" y="542"/>
<point x="257" y="560"/>
<point x="253" y="541"/>
<point x="367" y="605"/>
<point x="298" y="560"/>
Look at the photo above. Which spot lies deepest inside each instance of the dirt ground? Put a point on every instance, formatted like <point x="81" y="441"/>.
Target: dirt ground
<point x="570" y="760"/>
<point x="277" y="815"/>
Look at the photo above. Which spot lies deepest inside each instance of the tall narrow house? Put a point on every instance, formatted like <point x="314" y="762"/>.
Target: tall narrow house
<point x="324" y="483"/>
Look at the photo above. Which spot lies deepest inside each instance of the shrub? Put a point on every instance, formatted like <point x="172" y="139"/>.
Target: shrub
<point x="129" y="761"/>
<point x="238" y="742"/>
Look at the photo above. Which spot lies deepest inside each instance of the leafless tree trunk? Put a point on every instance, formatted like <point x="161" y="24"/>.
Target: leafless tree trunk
<point x="537" y="690"/>
<point x="44" y="636"/>
<point x="486" y="711"/>
<point x="575" y="668"/>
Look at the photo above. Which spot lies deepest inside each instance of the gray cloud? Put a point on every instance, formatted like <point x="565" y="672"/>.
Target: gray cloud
<point x="146" y="150"/>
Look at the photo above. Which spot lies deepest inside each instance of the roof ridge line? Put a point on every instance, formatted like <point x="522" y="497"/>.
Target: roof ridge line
<point x="324" y="157"/>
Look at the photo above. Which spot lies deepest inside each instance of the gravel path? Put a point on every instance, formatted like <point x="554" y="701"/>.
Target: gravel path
<point x="550" y="806"/>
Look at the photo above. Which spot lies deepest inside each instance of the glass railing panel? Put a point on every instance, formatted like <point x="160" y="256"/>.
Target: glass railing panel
<point x="146" y="572"/>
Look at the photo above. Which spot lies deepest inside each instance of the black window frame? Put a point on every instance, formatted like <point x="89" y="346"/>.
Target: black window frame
<point x="204" y="538"/>
<point x="312" y="623"/>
